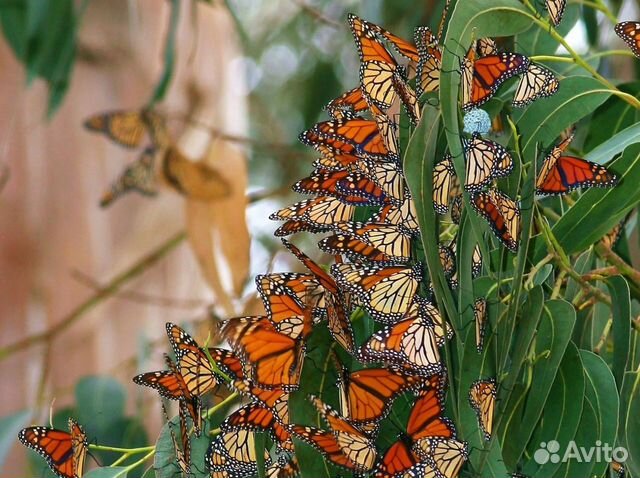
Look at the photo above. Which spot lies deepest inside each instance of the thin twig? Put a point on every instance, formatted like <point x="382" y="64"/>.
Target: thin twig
<point x="109" y="290"/>
<point x="140" y="297"/>
<point x="615" y="260"/>
<point x="317" y="14"/>
<point x="600" y="274"/>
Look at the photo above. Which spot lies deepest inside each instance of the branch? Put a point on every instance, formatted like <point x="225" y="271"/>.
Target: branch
<point x="317" y="14"/>
<point x="109" y="290"/>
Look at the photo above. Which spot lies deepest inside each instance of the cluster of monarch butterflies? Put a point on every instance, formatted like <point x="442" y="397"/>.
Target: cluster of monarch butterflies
<point x="358" y="169"/>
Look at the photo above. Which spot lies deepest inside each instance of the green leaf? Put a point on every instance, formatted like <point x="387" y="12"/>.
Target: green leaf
<point x="169" y="55"/>
<point x="107" y="472"/>
<point x="543" y="121"/>
<point x="561" y="416"/>
<point x="418" y="166"/>
<point x="537" y="41"/>
<point x="629" y="424"/>
<point x="603" y="395"/>
<point x="101" y="402"/>
<point x="13" y="17"/>
<point x="10" y="425"/>
<point x="585" y="437"/>
<point x="607" y="150"/>
<point x="526" y="407"/>
<point x="621" y="328"/>
<point x="599" y="210"/>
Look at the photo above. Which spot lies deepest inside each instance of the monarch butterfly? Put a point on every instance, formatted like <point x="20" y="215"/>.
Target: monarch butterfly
<point x="447" y="455"/>
<point x="502" y="213"/>
<point x="486" y="160"/>
<point x="304" y="287"/>
<point x="284" y="310"/>
<point x="276" y="400"/>
<point x="349" y="448"/>
<point x="138" y="176"/>
<point x="338" y="321"/>
<point x="352" y="247"/>
<point x="336" y="161"/>
<point x="403" y="216"/>
<point x="425" y="423"/>
<point x="275" y="358"/>
<point x="482" y="397"/>
<point x="362" y="134"/>
<point x="476" y="261"/>
<point x="561" y="174"/>
<point x="389" y="239"/>
<point x="257" y="417"/>
<point x="194" y="179"/>
<point x="630" y="33"/>
<point x="480" y="315"/>
<point x="380" y="78"/>
<point x="284" y="469"/>
<point x="314" y="215"/>
<point x="537" y="82"/>
<point x="64" y="452"/>
<point x="366" y="395"/>
<point x="181" y="450"/>
<point x="412" y="341"/>
<point x="556" y="10"/>
<point x="618" y="469"/>
<point x="127" y="128"/>
<point x="348" y="187"/>
<point x="448" y="261"/>
<point x="482" y="77"/>
<point x="171" y="385"/>
<point x="194" y="366"/>
<point x="384" y="291"/>
<point x="486" y="46"/>
<point x="348" y="104"/>
<point x="457" y="205"/>
<point x="388" y="175"/>
<point x="233" y="455"/>
<point x="445" y="184"/>
<point x="429" y="63"/>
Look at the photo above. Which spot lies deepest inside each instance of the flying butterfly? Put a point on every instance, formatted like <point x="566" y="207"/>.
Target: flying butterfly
<point x="127" y="128"/>
<point x="482" y="397"/>
<point x="139" y="176"/>
<point x="64" y="452"/>
<point x="384" y="291"/>
<point x="313" y="215"/>
<point x="486" y="160"/>
<point x="537" y="82"/>
<point x="630" y="33"/>
<point x="561" y="174"/>
<point x="481" y="77"/>
<point x="502" y="213"/>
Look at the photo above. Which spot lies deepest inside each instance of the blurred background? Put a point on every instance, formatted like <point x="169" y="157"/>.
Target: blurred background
<point x="87" y="290"/>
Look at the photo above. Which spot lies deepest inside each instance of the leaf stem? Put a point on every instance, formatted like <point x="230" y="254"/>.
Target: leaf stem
<point x="545" y="25"/>
<point x="131" y="451"/>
